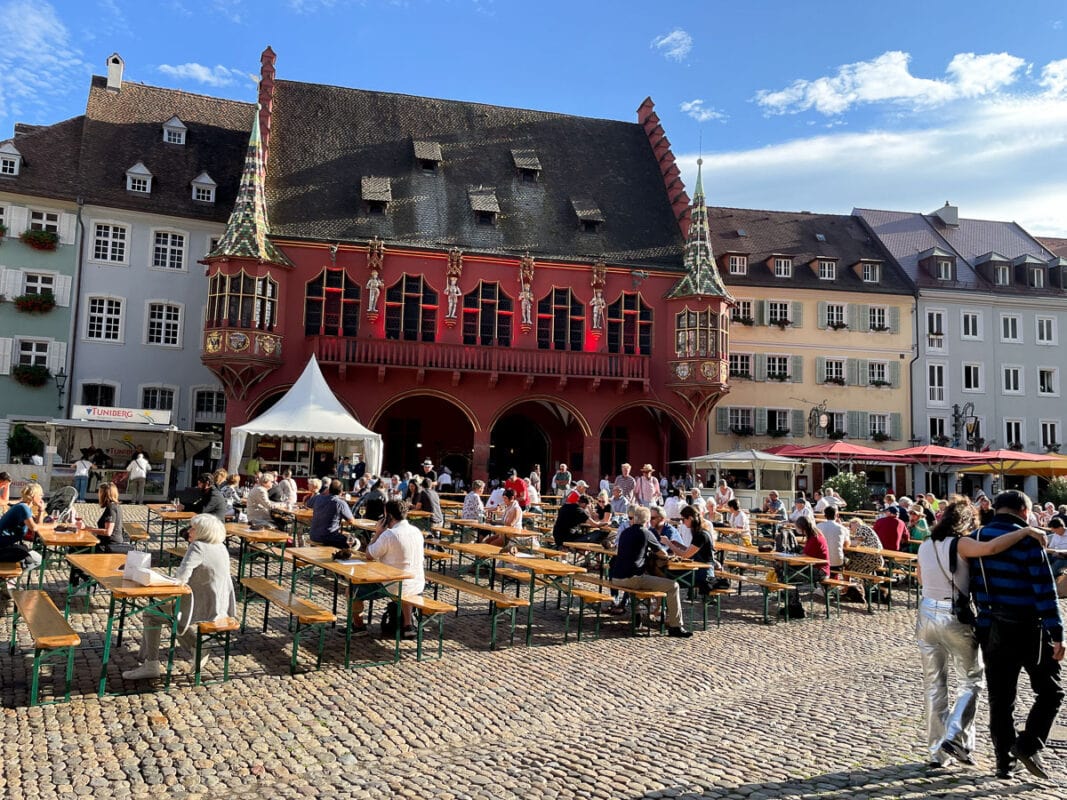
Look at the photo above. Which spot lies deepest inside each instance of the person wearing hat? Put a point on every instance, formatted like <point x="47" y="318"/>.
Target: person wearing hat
<point x="578" y="490"/>
<point x="918" y="529"/>
<point x="647" y="491"/>
<point x="801" y="508"/>
<point x="518" y="486"/>
<point x="429" y="476"/>
<point x="561" y="481"/>
<point x="773" y="506"/>
<point x="626" y="482"/>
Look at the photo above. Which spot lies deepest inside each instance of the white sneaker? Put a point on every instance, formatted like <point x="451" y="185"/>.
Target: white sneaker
<point x="147" y="671"/>
<point x="204" y="659"/>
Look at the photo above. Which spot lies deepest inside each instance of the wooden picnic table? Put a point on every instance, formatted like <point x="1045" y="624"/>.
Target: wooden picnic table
<point x="265" y="538"/>
<point x="506" y="531"/>
<point x="53" y="543"/>
<point x="550" y="573"/>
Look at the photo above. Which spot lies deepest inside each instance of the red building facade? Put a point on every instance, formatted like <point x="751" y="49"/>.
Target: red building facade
<point x="486" y="287"/>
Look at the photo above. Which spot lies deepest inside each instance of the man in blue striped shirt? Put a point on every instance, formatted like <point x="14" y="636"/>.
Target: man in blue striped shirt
<point x="1019" y="627"/>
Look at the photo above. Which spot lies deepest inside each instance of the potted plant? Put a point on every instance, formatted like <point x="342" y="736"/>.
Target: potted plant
<point x="837" y="325"/>
<point x="835" y="379"/>
<point x="940" y="440"/>
<point x="778" y="376"/>
<point x="836" y="435"/>
<point x="880" y="437"/>
<point x="744" y="321"/>
<point x="740" y="374"/>
<point x="781" y="323"/>
<point x="27" y="375"/>
<point x="742" y="430"/>
<point x="1052" y="447"/>
<point x="40" y="240"/>
<point x="1016" y="446"/>
<point x="879" y="382"/>
<point x="36" y="303"/>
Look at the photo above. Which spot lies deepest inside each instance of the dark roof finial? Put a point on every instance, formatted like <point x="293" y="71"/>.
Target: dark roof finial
<point x="701" y="275"/>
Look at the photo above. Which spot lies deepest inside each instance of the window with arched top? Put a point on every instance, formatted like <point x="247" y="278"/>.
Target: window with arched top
<point x="331" y="304"/>
<point x="242" y="301"/>
<point x="411" y="310"/>
<point x="560" y="321"/>
<point x="697" y="334"/>
<point x="487" y="316"/>
<point x="630" y="326"/>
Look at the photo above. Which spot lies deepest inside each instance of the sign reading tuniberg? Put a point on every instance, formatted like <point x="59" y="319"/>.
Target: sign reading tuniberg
<point x="136" y="416"/>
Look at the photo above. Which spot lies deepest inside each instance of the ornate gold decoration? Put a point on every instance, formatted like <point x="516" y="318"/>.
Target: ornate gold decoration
<point x="375" y="254"/>
<point x="237" y="342"/>
<point x="455" y="263"/>
<point x="266" y="344"/>
<point x="682" y="370"/>
<point x="600" y="274"/>
<point x="213" y="344"/>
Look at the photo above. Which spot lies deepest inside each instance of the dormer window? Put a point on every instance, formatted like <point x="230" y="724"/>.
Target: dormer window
<point x="204" y="188"/>
<point x="783" y="267"/>
<point x="1037" y="278"/>
<point x="738" y="265"/>
<point x="484" y="205"/>
<point x="428" y="156"/>
<point x="174" y="131"/>
<point x="1001" y="274"/>
<point x="377" y="194"/>
<point x="944" y="269"/>
<point x="139" y="179"/>
<point x="527" y="164"/>
<point x="827" y="270"/>
<point x="871" y="273"/>
<point x="10" y="160"/>
<point x="485" y="218"/>
<point x="589" y="216"/>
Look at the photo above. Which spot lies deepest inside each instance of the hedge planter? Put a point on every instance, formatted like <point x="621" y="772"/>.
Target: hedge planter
<point x="35" y="303"/>
<point x="40" y="240"/>
<point x="30" y="376"/>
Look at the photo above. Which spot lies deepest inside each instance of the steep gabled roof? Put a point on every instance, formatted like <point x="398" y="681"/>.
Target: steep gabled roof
<point x="49" y="165"/>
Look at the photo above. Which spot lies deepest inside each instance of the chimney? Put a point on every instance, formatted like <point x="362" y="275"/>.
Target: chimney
<point x="115" y="65"/>
<point x="949" y="215"/>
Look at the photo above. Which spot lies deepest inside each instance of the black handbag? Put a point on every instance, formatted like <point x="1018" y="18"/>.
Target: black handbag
<point x="962" y="607"/>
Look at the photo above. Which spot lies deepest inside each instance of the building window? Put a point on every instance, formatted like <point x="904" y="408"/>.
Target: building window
<point x="740" y="419"/>
<point x="1013" y="381"/>
<point x="1046" y="330"/>
<point x="209" y="402"/>
<point x="1013" y="432"/>
<point x="970" y="325"/>
<point x="98" y="394"/>
<point x="835" y="315"/>
<point x="242" y="301"/>
<point x="204" y="194"/>
<point x="835" y="371"/>
<point x="44" y="221"/>
<point x="878" y="425"/>
<point x="972" y="377"/>
<point x="778" y="368"/>
<point x="487" y="316"/>
<point x="836" y="422"/>
<point x="944" y="269"/>
<point x="777" y="312"/>
<point x="9" y="166"/>
<point x="1037" y="278"/>
<point x="827" y="270"/>
<point x="164" y="324"/>
<point x="742" y="312"/>
<point x="1050" y="433"/>
<point x="104" y="322"/>
<point x="1048" y="382"/>
<point x="778" y="421"/>
<point x="936" y="384"/>
<point x="1001" y="275"/>
<point x="697" y="334"/>
<point x="411" y="310"/>
<point x="169" y="250"/>
<point x="560" y="321"/>
<point x="137" y="183"/>
<point x="157" y="398"/>
<point x="630" y="326"/>
<point x="937" y="429"/>
<point x="32" y="353"/>
<point x="877" y="373"/>
<point x="39" y="283"/>
<point x="871" y="273"/>
<point x="738" y="265"/>
<point x="783" y="268"/>
<point x="877" y="318"/>
<point x="740" y="365"/>
<point x="172" y="136"/>
<point x="109" y="243"/>
<point x="487" y="218"/>
<point x="331" y="304"/>
<point x="1009" y="328"/>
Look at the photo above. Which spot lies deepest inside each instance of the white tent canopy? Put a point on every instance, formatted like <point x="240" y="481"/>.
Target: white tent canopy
<point x="309" y="410"/>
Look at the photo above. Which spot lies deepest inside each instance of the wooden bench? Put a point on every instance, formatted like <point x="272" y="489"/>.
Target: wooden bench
<point x="431" y="611"/>
<point x="500" y="604"/>
<point x="10" y="570"/>
<point x="177" y="551"/>
<point x="136" y="533"/>
<point x="869" y="582"/>
<point x="638" y="597"/>
<point x="214" y="631"/>
<point x="308" y="615"/>
<point x="834" y="586"/>
<point x="51" y="633"/>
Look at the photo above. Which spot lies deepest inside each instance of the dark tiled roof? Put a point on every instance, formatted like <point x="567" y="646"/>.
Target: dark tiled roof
<point x="49" y="160"/>
<point x="1056" y="246"/>
<point x="805" y="237"/>
<point x="325" y="138"/>
<point x="124" y="127"/>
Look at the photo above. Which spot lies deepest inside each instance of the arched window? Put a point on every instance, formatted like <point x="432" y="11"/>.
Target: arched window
<point x="411" y="310"/>
<point x="487" y="316"/>
<point x="697" y="334"/>
<point x="331" y="304"/>
<point x="242" y="301"/>
<point x="560" y="321"/>
<point x="630" y="326"/>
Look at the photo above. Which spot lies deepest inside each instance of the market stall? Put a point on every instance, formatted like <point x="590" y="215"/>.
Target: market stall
<point x="750" y="473"/>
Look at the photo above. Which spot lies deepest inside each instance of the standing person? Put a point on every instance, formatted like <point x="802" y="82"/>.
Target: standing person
<point x="944" y="642"/>
<point x="444" y="480"/>
<point x="1019" y="627"/>
<point x="518" y="486"/>
<point x="429" y="475"/>
<point x="344" y="473"/>
<point x="82" y="467"/>
<point x="535" y="477"/>
<point x="359" y="467"/>
<point x="136" y="472"/>
<point x="253" y="465"/>
<point x="627" y="482"/>
<point x="561" y="481"/>
<point x="647" y="491"/>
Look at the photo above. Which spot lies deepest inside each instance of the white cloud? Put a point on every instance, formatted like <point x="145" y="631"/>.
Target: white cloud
<point x="1054" y="77"/>
<point x="675" y="45"/>
<point x="37" y="60"/>
<point x="209" y="76"/>
<point x="697" y="110"/>
<point x="888" y="79"/>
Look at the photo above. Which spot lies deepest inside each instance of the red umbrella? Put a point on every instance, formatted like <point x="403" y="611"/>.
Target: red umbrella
<point x="934" y="457"/>
<point x="1003" y="461"/>
<point x="843" y="451"/>
<point x="783" y="449"/>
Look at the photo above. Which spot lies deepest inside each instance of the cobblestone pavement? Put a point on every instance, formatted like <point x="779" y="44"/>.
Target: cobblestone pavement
<point x="816" y="709"/>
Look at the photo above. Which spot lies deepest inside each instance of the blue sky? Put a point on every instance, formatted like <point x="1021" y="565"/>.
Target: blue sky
<point x="818" y="106"/>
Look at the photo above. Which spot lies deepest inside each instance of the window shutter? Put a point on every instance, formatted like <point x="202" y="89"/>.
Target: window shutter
<point x="822" y="315"/>
<point x="57" y="356"/>
<point x="18" y="220"/>
<point x="863" y="318"/>
<point x="796" y="317"/>
<point x="761" y="421"/>
<point x="761" y="312"/>
<point x="12" y="286"/>
<point x="5" y="355"/>
<point x="863" y="372"/>
<point x="851" y="372"/>
<point x="858" y="425"/>
<point x="63" y="290"/>
<point x="798" y="369"/>
<point x="66" y="228"/>
<point x="894" y="426"/>
<point x="893" y="319"/>
<point x="894" y="374"/>
<point x="820" y="369"/>
<point x="722" y="418"/>
<point x="759" y="361"/>
<point x="797" y="426"/>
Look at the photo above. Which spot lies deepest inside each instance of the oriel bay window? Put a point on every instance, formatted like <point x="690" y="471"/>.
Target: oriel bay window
<point x="243" y="301"/>
<point x="697" y="334"/>
<point x="331" y="304"/>
<point x="487" y="316"/>
<point x="560" y="321"/>
<point x="411" y="310"/>
<point x="630" y="326"/>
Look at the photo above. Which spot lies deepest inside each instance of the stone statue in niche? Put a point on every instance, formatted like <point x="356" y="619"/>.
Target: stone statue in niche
<point x="598" y="304"/>
<point x="374" y="290"/>
<point x="526" y="304"/>
<point x="453" y="293"/>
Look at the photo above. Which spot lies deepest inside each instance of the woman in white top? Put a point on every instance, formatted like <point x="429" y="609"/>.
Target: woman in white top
<point x="399" y="544"/>
<point x="945" y="642"/>
<point x="724" y="494"/>
<point x="738" y="516"/>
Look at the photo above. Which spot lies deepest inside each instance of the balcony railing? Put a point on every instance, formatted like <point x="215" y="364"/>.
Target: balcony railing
<point x="476" y="358"/>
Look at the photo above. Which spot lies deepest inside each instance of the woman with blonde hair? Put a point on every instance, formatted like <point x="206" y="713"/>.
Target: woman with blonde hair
<point x="15" y="525"/>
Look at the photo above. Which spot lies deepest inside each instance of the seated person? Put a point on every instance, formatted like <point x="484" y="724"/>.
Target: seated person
<point x="837" y="538"/>
<point x="230" y="489"/>
<point x="801" y="508"/>
<point x="110" y="535"/>
<point x="422" y="496"/>
<point x="574" y="524"/>
<point x="258" y="504"/>
<point x="666" y="533"/>
<point x="326" y="518"/>
<point x="472" y="503"/>
<point x="399" y="544"/>
<point x="891" y="531"/>
<point x="619" y="505"/>
<point x="372" y="503"/>
<point x="738" y="517"/>
<point x="862" y="535"/>
<point x="628" y="569"/>
<point x="533" y="497"/>
<point x="287" y="487"/>
<point x="673" y="503"/>
<point x="17" y="522"/>
<point x="210" y="500"/>
<point x="815" y="546"/>
<point x="495" y="503"/>
<point x="512" y="518"/>
<point x="579" y="489"/>
<point x="1057" y="546"/>
<point x="205" y="569"/>
<point x="314" y="487"/>
<point x="701" y="549"/>
<point x="772" y="506"/>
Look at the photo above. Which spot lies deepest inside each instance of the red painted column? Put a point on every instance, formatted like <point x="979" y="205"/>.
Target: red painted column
<point x="480" y="457"/>
<point x="591" y="462"/>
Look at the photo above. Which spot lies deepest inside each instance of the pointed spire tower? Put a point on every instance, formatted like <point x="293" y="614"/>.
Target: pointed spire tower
<point x="248" y="226"/>
<point x="701" y="275"/>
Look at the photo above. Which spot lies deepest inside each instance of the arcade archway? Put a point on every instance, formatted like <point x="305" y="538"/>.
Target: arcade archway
<point x="424" y="426"/>
<point x="642" y="435"/>
<point x="536" y="432"/>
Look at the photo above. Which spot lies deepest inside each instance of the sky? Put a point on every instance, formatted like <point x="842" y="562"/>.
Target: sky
<point x="813" y="105"/>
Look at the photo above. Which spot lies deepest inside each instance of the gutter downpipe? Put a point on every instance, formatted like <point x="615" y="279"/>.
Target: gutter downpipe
<point x="911" y="375"/>
<point x="76" y="297"/>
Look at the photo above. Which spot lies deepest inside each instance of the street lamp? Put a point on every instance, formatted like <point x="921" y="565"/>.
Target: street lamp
<point x="964" y="424"/>
<point x="61" y="386"/>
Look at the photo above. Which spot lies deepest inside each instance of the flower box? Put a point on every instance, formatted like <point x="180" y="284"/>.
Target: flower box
<point x="836" y="435"/>
<point x="940" y="440"/>
<point x="30" y="375"/>
<point x="40" y="240"/>
<point x="880" y="328"/>
<point x="778" y="433"/>
<point x="35" y="303"/>
<point x="880" y="383"/>
<point x="1052" y="447"/>
<point x="880" y="437"/>
<point x="781" y="323"/>
<point x="742" y="430"/>
<point x="835" y="379"/>
<point x="837" y="326"/>
<point x="744" y="321"/>
<point x="778" y="376"/>
<point x="734" y="374"/>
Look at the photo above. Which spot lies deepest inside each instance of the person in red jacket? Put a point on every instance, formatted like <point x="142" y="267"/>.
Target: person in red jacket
<point x="517" y="485"/>
<point x="891" y="531"/>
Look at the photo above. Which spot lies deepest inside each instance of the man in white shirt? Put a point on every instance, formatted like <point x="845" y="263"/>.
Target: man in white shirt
<point x="837" y="538"/>
<point x="399" y="544"/>
<point x="801" y="509"/>
<point x="136" y="472"/>
<point x="444" y="480"/>
<point x="495" y="502"/>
